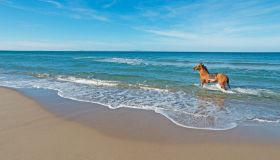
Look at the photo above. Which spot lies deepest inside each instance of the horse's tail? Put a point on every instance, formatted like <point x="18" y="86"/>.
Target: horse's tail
<point x="228" y="83"/>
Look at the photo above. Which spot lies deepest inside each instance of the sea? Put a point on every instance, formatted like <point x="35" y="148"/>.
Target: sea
<point x="163" y="82"/>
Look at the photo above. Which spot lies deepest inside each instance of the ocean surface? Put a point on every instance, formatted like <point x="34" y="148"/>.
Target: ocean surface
<point x="160" y="81"/>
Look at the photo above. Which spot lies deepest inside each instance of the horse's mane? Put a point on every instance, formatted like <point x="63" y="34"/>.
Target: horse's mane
<point x="205" y="67"/>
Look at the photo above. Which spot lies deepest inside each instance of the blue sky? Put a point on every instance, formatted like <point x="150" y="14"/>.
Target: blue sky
<point x="165" y="25"/>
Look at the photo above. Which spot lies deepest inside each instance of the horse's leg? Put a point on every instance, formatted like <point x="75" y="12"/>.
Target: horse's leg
<point x="223" y="85"/>
<point x="203" y="82"/>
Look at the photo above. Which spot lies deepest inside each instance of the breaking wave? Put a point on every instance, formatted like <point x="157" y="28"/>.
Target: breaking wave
<point x="238" y="90"/>
<point x="266" y="120"/>
<point x="95" y="82"/>
<point x="183" y="108"/>
<point x="184" y="63"/>
<point x="122" y="60"/>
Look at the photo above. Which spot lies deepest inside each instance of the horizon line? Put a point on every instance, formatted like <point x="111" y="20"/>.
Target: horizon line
<point x="139" y="51"/>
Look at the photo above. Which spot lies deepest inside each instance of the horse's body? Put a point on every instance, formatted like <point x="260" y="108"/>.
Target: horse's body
<point x="206" y="77"/>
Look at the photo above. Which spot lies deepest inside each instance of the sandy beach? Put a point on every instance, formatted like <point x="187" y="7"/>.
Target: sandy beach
<point x="29" y="131"/>
<point x="139" y="80"/>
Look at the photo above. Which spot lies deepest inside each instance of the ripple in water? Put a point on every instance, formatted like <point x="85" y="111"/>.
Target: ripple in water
<point x="193" y="109"/>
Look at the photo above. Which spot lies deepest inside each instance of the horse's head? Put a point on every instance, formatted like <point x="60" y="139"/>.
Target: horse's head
<point x="198" y="67"/>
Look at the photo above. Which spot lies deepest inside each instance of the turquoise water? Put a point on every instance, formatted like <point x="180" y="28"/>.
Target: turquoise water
<point x="158" y="81"/>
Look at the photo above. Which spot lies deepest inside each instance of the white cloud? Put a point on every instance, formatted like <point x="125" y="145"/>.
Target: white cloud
<point x="52" y="2"/>
<point x="84" y="13"/>
<point x="173" y="33"/>
<point x="60" y="9"/>
<point x="185" y="41"/>
<point x="110" y="4"/>
<point x="161" y="43"/>
<point x="62" y="46"/>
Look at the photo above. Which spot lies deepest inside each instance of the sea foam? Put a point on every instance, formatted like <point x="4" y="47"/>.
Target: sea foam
<point x="239" y="90"/>
<point x="130" y="61"/>
<point x="87" y="81"/>
<point x="182" y="108"/>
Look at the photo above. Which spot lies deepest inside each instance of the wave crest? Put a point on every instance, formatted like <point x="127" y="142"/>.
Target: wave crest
<point x="260" y="120"/>
<point x="129" y="61"/>
<point x="95" y="82"/>
<point x="238" y="90"/>
<point x="184" y="109"/>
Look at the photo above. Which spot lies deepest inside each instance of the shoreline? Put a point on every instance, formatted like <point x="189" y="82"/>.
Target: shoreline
<point x="102" y="133"/>
<point x="124" y="121"/>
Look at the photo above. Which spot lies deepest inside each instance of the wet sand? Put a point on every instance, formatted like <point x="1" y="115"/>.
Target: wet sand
<point x="55" y="128"/>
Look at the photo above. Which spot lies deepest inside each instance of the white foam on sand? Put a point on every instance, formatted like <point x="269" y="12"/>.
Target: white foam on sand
<point x="182" y="108"/>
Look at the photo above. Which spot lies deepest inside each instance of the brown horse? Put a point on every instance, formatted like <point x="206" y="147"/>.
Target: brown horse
<point x="206" y="77"/>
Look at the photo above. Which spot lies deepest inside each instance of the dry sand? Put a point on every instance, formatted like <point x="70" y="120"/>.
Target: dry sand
<point x="29" y="132"/>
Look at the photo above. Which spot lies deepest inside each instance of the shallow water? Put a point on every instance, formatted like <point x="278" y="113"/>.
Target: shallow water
<point x="163" y="82"/>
